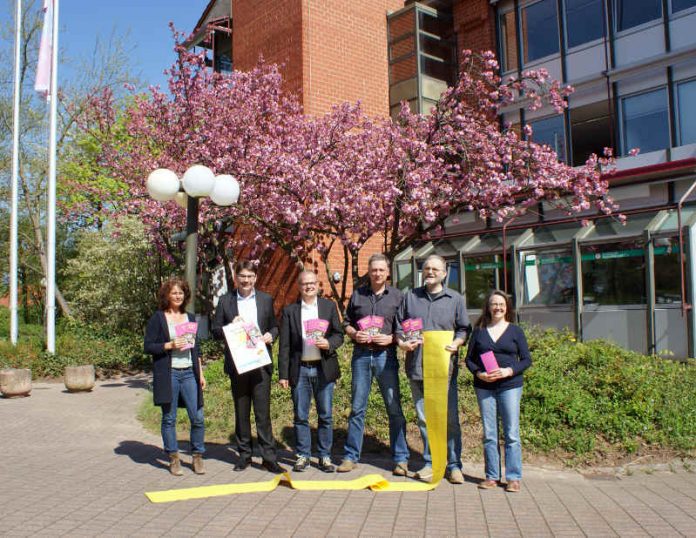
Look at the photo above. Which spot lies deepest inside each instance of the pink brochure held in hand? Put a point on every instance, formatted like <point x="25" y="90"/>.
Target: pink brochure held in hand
<point x="314" y="329"/>
<point x="187" y="330"/>
<point x="489" y="362"/>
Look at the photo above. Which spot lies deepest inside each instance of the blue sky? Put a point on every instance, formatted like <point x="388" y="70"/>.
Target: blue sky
<point x="144" y="22"/>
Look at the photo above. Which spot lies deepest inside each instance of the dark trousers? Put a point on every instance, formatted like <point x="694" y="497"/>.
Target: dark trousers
<point x="253" y="387"/>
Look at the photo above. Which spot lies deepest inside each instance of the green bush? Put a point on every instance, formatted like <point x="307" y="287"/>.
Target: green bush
<point x="596" y="396"/>
<point x="114" y="278"/>
<point x="77" y="344"/>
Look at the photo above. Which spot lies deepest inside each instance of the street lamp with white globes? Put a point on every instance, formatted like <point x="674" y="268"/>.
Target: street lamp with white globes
<point x="198" y="181"/>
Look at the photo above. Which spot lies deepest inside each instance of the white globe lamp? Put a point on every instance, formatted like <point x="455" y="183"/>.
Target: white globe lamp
<point x="198" y="181"/>
<point x="225" y="190"/>
<point x="162" y="184"/>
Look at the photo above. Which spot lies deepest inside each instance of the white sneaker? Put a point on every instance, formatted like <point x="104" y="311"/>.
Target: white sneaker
<point x="425" y="474"/>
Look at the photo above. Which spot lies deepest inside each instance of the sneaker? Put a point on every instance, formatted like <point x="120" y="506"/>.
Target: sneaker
<point x="455" y="476"/>
<point x="425" y="474"/>
<point x="326" y="465"/>
<point x="346" y="466"/>
<point x="400" y="469"/>
<point x="301" y="464"/>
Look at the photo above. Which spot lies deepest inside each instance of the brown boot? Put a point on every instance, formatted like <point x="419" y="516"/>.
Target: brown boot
<point x="198" y="466"/>
<point x="175" y="464"/>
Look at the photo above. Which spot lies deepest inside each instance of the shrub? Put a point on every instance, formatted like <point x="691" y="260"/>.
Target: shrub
<point x="114" y="278"/>
<point x="77" y="344"/>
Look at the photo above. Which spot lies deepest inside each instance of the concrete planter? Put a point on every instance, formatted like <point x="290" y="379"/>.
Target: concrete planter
<point x="15" y="382"/>
<point x="79" y="378"/>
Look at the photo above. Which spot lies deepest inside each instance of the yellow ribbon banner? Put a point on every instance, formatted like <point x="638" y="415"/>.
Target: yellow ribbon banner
<point x="436" y="361"/>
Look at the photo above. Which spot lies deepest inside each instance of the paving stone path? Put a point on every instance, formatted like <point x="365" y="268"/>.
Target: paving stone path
<point x="78" y="464"/>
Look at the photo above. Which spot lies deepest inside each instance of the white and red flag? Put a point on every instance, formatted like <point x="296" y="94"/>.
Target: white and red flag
<point x="42" y="84"/>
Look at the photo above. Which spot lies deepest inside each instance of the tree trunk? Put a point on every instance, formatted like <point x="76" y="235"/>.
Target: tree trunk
<point x="40" y="247"/>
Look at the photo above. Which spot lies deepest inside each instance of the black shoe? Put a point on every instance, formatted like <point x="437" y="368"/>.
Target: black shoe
<point x="273" y="467"/>
<point x="242" y="464"/>
<point x="326" y="465"/>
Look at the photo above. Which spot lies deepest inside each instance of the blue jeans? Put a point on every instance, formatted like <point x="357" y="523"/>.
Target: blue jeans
<point x="311" y="381"/>
<point x="454" y="432"/>
<point x="366" y="365"/>
<point x="184" y="384"/>
<point x="505" y="403"/>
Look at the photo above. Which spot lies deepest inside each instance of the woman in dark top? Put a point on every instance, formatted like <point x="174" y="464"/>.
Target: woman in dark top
<point x="176" y="372"/>
<point x="499" y="390"/>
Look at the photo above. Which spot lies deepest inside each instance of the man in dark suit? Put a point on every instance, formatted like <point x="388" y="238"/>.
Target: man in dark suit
<point x="308" y="363"/>
<point x="253" y="387"/>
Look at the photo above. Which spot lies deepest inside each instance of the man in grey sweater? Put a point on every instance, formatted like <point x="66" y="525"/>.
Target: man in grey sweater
<point x="439" y="309"/>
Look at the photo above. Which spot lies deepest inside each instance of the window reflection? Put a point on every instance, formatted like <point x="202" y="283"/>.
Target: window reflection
<point x="550" y="132"/>
<point x="548" y="277"/>
<point x="667" y="272"/>
<point x="614" y="274"/>
<point x="645" y="121"/>
<point x="630" y="13"/>
<point x="686" y="95"/>
<point x="540" y="30"/>
<point x="583" y="21"/>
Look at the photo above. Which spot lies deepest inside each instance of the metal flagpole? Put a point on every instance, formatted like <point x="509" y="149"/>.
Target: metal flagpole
<point x="14" y="326"/>
<point x="51" y="212"/>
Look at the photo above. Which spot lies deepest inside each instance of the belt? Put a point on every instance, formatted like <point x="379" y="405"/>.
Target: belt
<point x="311" y="364"/>
<point x="376" y="347"/>
<point x="186" y="368"/>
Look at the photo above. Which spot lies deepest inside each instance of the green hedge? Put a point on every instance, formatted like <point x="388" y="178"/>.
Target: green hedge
<point x="76" y="343"/>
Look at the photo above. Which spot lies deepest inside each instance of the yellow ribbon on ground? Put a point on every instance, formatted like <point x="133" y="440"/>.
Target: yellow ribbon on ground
<point x="436" y="362"/>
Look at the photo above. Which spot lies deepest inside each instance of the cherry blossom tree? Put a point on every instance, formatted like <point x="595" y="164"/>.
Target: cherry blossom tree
<point x="313" y="184"/>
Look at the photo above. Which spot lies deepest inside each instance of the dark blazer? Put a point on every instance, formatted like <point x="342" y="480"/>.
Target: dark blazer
<point x="156" y="335"/>
<point x="290" y="351"/>
<point x="227" y="310"/>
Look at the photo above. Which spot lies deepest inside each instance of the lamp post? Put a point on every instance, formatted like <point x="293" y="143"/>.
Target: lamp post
<point x="198" y="181"/>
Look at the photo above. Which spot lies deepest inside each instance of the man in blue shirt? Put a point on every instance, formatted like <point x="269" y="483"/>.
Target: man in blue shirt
<point x="374" y="356"/>
<point x="440" y="309"/>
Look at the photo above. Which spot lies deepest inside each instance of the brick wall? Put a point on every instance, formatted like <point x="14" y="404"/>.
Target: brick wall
<point x="345" y="53"/>
<point x="272" y="28"/>
<point x="474" y="24"/>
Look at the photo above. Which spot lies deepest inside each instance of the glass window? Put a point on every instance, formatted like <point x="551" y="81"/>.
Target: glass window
<point x="437" y="69"/>
<point x="437" y="24"/>
<point x="550" y="132"/>
<point x="630" y="13"/>
<point x="404" y="273"/>
<point x="540" y="30"/>
<point x="508" y="41"/>
<point x="645" y="121"/>
<point x="584" y="21"/>
<point x="614" y="273"/>
<point x="667" y="272"/>
<point x="483" y="274"/>
<point x="438" y="48"/>
<point x="590" y="128"/>
<point x="679" y="5"/>
<point x="548" y="277"/>
<point x="453" y="276"/>
<point x="686" y="96"/>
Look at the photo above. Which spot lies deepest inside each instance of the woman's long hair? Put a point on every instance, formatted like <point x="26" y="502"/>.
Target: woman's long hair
<point x="165" y="290"/>
<point x="485" y="318"/>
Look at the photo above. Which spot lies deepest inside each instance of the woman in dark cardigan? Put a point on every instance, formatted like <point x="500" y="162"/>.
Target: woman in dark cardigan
<point x="500" y="389"/>
<point x="177" y="374"/>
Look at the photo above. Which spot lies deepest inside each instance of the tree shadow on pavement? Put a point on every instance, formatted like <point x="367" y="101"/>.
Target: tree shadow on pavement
<point x="131" y="382"/>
